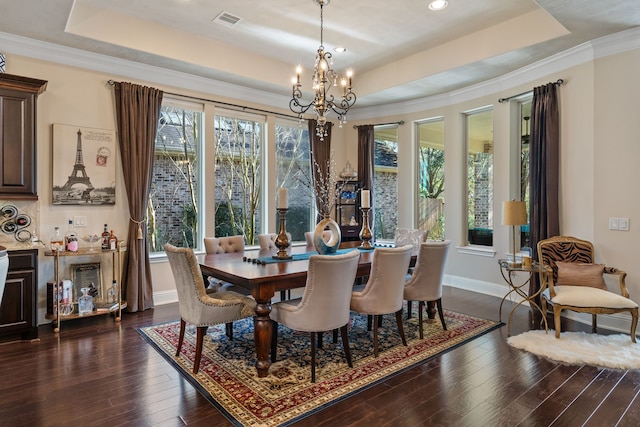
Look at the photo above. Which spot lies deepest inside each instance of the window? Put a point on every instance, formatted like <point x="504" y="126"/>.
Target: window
<point x="524" y="177"/>
<point x="176" y="212"/>
<point x="431" y="178"/>
<point x="479" y="127"/>
<point x="292" y="157"/>
<point x="385" y="178"/>
<point x="238" y="176"/>
<point x="172" y="211"/>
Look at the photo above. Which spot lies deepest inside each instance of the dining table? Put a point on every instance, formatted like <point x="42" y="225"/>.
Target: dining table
<point x="257" y="272"/>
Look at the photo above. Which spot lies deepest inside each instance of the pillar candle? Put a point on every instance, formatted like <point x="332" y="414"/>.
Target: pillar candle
<point x="282" y="198"/>
<point x="366" y="201"/>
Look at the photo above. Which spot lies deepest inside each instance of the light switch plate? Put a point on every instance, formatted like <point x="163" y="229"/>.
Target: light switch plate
<point x="613" y="223"/>
<point x="623" y="224"/>
<point x="80" y="221"/>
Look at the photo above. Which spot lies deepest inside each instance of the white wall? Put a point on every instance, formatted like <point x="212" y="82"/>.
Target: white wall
<point x="599" y="153"/>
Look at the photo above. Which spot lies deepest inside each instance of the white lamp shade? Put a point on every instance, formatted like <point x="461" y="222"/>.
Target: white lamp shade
<point x="514" y="212"/>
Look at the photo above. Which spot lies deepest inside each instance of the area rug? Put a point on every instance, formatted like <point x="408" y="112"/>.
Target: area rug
<point x="228" y="378"/>
<point x="581" y="348"/>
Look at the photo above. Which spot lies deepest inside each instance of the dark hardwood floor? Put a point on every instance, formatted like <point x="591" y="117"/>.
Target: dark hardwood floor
<point x="97" y="372"/>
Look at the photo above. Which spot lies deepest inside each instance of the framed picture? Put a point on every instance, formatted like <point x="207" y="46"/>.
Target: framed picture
<point x="87" y="276"/>
<point x="84" y="170"/>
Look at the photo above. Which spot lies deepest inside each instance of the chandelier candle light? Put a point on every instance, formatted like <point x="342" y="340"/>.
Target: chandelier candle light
<point x="514" y="213"/>
<point x="365" y="232"/>
<point x="282" y="240"/>
<point x="324" y="77"/>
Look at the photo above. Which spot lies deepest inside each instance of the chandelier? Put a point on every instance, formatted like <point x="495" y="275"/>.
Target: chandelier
<point x="324" y="79"/>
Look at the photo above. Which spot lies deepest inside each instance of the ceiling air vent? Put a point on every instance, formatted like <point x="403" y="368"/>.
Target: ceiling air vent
<point x="227" y="19"/>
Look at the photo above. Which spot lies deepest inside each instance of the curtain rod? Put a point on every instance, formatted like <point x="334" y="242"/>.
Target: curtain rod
<point x="226" y="104"/>
<point x="558" y="82"/>
<point x="401" y="122"/>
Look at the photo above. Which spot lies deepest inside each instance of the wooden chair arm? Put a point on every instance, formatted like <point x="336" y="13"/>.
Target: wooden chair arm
<point x="621" y="279"/>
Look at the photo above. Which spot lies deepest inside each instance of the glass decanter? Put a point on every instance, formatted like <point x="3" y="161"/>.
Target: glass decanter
<point x="112" y="293"/>
<point x="85" y="303"/>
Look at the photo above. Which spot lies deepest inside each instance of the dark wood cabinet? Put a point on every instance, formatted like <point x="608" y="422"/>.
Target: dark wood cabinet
<point x="19" y="307"/>
<point x="18" y="99"/>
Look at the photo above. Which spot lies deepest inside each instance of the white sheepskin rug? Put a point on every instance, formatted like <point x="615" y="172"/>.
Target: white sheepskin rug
<point x="580" y="348"/>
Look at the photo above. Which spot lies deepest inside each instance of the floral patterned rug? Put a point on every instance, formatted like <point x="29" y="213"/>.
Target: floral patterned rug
<point x="228" y="379"/>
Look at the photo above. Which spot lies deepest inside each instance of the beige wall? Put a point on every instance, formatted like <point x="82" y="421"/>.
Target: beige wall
<point x="599" y="153"/>
<point x="615" y="125"/>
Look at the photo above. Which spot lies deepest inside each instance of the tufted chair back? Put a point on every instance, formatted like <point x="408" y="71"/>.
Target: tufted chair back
<point x="221" y="245"/>
<point x="196" y="306"/>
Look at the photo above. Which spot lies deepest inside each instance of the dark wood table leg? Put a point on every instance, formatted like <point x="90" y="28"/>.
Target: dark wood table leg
<point x="262" y="331"/>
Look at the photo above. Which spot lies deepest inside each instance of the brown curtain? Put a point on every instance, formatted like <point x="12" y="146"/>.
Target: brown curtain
<point x="544" y="168"/>
<point x="137" y="114"/>
<point x="366" y="147"/>
<point x="320" y="155"/>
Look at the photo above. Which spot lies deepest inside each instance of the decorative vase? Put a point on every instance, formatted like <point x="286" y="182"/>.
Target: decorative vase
<point x="330" y="245"/>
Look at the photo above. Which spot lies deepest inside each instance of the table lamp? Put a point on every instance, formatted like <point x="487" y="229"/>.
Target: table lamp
<point x="514" y="212"/>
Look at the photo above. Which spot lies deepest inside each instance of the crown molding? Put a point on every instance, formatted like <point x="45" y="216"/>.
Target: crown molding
<point x="610" y="45"/>
<point x="621" y="42"/>
<point x="617" y="43"/>
<point x="120" y="68"/>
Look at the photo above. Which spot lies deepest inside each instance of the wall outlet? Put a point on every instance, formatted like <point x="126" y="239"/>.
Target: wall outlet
<point x="80" y="221"/>
<point x="613" y="223"/>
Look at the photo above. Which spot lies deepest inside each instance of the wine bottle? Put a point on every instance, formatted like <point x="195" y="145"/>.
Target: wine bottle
<point x="113" y="241"/>
<point x="105" y="238"/>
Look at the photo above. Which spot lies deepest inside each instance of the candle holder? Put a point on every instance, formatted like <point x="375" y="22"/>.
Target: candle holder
<point x="365" y="233"/>
<point x="282" y="240"/>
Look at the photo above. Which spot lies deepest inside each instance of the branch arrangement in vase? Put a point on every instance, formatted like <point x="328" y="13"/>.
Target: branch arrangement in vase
<point x="327" y="188"/>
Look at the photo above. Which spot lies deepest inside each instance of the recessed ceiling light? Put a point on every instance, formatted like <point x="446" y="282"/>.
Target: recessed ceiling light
<point x="340" y="49"/>
<point x="438" y="4"/>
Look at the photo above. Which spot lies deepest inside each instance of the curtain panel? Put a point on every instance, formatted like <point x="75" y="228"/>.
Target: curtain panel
<point x="320" y="159"/>
<point x="544" y="168"/>
<point x="366" y="148"/>
<point x="137" y="115"/>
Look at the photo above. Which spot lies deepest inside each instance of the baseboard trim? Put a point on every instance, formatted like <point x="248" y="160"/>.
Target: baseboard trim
<point x="619" y="322"/>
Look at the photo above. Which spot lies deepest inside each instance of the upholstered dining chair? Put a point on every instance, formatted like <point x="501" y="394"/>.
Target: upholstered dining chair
<point x="324" y="306"/>
<point x="383" y="292"/>
<point x="425" y="284"/>
<point x="577" y="284"/>
<point x="410" y="236"/>
<point x="198" y="307"/>
<point x="222" y="245"/>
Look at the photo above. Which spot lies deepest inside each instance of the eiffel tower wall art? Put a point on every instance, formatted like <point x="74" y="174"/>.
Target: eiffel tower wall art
<point x="84" y="167"/>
